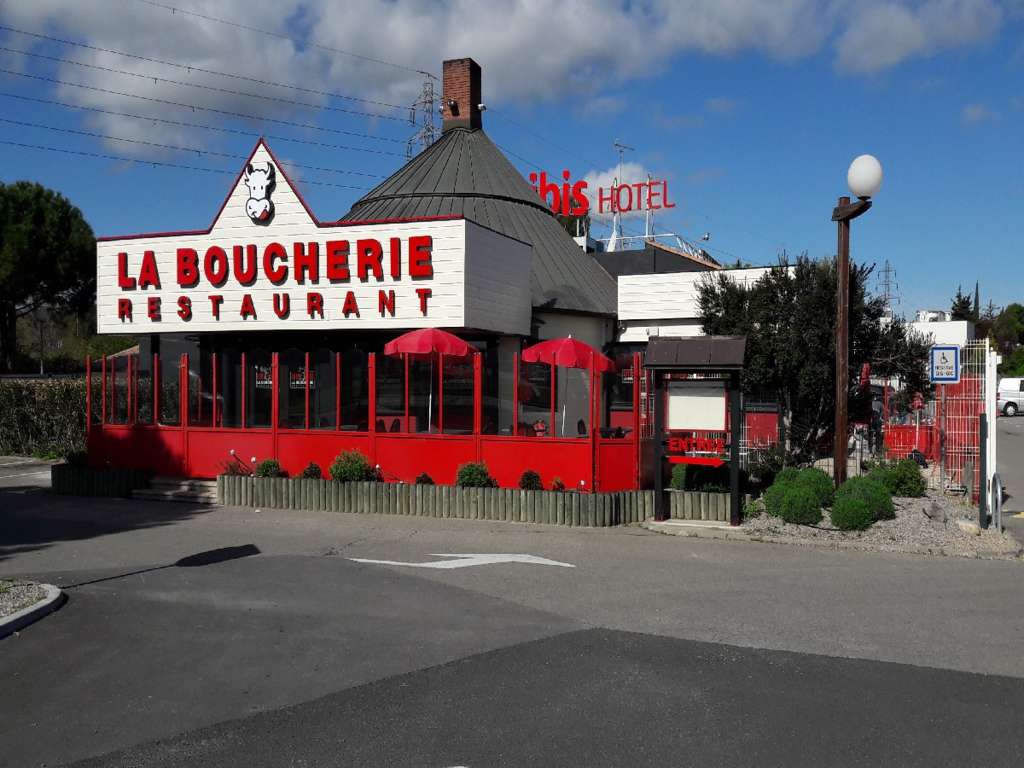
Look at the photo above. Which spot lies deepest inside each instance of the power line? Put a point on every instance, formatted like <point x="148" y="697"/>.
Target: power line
<point x="202" y="126"/>
<point x="156" y="163"/>
<point x="282" y="36"/>
<point x="195" y="107"/>
<point x="202" y="86"/>
<point x="193" y="150"/>
<point x="192" y="68"/>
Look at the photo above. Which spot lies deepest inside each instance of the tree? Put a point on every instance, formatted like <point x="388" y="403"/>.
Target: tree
<point x="961" y="308"/>
<point x="47" y="258"/>
<point x="788" y="317"/>
<point x="1008" y="327"/>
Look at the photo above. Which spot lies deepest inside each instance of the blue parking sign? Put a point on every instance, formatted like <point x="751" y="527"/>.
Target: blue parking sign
<point x="944" y="364"/>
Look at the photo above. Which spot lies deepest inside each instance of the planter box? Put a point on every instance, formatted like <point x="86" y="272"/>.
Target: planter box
<point x="68" y="480"/>
<point x="441" y="501"/>
<point x="699" y="505"/>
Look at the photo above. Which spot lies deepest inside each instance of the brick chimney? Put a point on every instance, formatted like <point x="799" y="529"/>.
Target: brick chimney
<point x="460" y="102"/>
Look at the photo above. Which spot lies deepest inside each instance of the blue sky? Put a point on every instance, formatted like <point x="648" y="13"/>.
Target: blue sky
<point x="752" y="118"/>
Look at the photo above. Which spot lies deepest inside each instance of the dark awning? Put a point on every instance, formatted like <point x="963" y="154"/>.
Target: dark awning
<point x="696" y="353"/>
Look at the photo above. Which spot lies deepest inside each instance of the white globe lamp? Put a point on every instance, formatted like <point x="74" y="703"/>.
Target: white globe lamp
<point x="865" y="176"/>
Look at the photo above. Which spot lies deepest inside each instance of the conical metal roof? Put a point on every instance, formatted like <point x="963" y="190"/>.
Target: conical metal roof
<point x="464" y="174"/>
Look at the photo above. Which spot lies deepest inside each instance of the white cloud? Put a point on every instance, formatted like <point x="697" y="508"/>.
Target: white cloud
<point x="883" y="35"/>
<point x="973" y="114"/>
<point x="632" y="173"/>
<point x="531" y="50"/>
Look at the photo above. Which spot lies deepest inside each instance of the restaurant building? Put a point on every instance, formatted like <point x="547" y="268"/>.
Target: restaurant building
<point x="263" y="335"/>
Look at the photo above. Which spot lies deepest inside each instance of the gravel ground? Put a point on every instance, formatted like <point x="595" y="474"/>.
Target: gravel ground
<point x="15" y="595"/>
<point x="913" y="531"/>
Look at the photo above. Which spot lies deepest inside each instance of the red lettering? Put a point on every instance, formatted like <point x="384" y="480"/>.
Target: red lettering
<point x="420" y="255"/>
<point x="546" y="188"/>
<point x="248" y="310"/>
<point x="369" y="255"/>
<point x="188" y="267"/>
<point x="605" y="196"/>
<point x="276" y="275"/>
<point x="424" y="294"/>
<point x="215" y="266"/>
<point x="124" y="282"/>
<point x="215" y="301"/>
<point x="396" y="257"/>
<point x="664" y="195"/>
<point x="306" y="263"/>
<point x="314" y="304"/>
<point x="185" y="308"/>
<point x="245" y="274"/>
<point x="153" y="308"/>
<point x="386" y="302"/>
<point x="652" y="198"/>
<point x="350" y="305"/>
<point x="639" y="195"/>
<point x="124" y="310"/>
<point x="337" y="261"/>
<point x="282" y="305"/>
<point x="148" y="275"/>
<point x="618" y="198"/>
<point x="580" y="203"/>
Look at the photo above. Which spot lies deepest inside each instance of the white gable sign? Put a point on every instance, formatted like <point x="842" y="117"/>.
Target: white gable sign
<point x="267" y="263"/>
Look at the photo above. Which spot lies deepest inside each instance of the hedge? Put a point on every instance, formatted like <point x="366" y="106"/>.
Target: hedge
<point x="42" y="417"/>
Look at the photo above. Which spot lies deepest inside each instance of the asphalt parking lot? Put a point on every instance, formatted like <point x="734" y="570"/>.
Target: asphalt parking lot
<point x="277" y="648"/>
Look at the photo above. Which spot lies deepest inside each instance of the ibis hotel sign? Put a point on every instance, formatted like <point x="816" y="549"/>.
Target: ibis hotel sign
<point x="267" y="263"/>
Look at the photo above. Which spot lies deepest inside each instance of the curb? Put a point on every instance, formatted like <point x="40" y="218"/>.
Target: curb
<point x="54" y="599"/>
<point x="702" y="532"/>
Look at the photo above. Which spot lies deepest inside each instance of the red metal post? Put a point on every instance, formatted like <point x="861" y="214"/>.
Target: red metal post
<point x="156" y="389"/>
<point x="129" y="400"/>
<point x="307" y="390"/>
<point x="515" y="395"/>
<point x="337" y="390"/>
<point x="637" y="454"/>
<point x="242" y="419"/>
<point x="183" y="391"/>
<point x="214" y="408"/>
<point x="554" y="381"/>
<point x="440" y="393"/>
<point x="371" y="361"/>
<point x="405" y="361"/>
<point x="103" y="390"/>
<point x="88" y="393"/>
<point x="595" y="382"/>
<point x="275" y="405"/>
<point x="477" y="394"/>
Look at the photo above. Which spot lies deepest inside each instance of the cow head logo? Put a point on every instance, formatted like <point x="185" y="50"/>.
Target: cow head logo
<point x="259" y="178"/>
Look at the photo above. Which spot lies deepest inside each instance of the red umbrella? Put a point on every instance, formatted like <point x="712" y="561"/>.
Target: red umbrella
<point x="567" y="353"/>
<point x="428" y="341"/>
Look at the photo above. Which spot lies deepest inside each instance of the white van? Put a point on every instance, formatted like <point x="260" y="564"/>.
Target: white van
<point x="1010" y="396"/>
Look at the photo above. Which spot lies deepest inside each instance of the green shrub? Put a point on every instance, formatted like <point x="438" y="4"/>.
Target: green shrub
<point x="800" y="505"/>
<point x="270" y="468"/>
<point x="352" y="467"/>
<point x="312" y="471"/>
<point x="819" y="483"/>
<point x="235" y="468"/>
<point x="475" y="475"/>
<point x="424" y="479"/>
<point x="557" y="484"/>
<point x="787" y="475"/>
<point x="773" y="498"/>
<point x="530" y="481"/>
<point x="679" y="477"/>
<point x="44" y="417"/>
<point x="907" y="479"/>
<point x="873" y="493"/>
<point x="850" y="513"/>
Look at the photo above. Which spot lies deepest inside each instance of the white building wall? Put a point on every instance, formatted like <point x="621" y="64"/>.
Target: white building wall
<point x="945" y="332"/>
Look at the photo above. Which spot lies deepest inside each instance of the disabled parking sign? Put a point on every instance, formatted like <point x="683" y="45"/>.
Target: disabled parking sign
<point x="944" y="365"/>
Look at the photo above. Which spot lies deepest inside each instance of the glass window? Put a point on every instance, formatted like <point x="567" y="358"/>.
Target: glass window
<point x="142" y="366"/>
<point x="534" y="399"/>
<point x="259" y="388"/>
<point x="322" y="389"/>
<point x="96" y="391"/>
<point x="291" y="406"/>
<point x="572" y="403"/>
<point x="117" y="390"/>
<point x="170" y="386"/>
<point x="200" y="388"/>
<point x="423" y="394"/>
<point x="390" y="393"/>
<point x="355" y="390"/>
<point x="617" y="399"/>
<point x="229" y="387"/>
<point x="458" y="397"/>
<point x="490" y="408"/>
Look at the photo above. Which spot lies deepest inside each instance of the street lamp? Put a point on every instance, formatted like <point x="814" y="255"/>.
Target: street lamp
<point x="864" y="179"/>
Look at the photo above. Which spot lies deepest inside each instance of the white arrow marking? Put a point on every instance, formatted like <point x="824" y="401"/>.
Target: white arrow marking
<point x="468" y="561"/>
